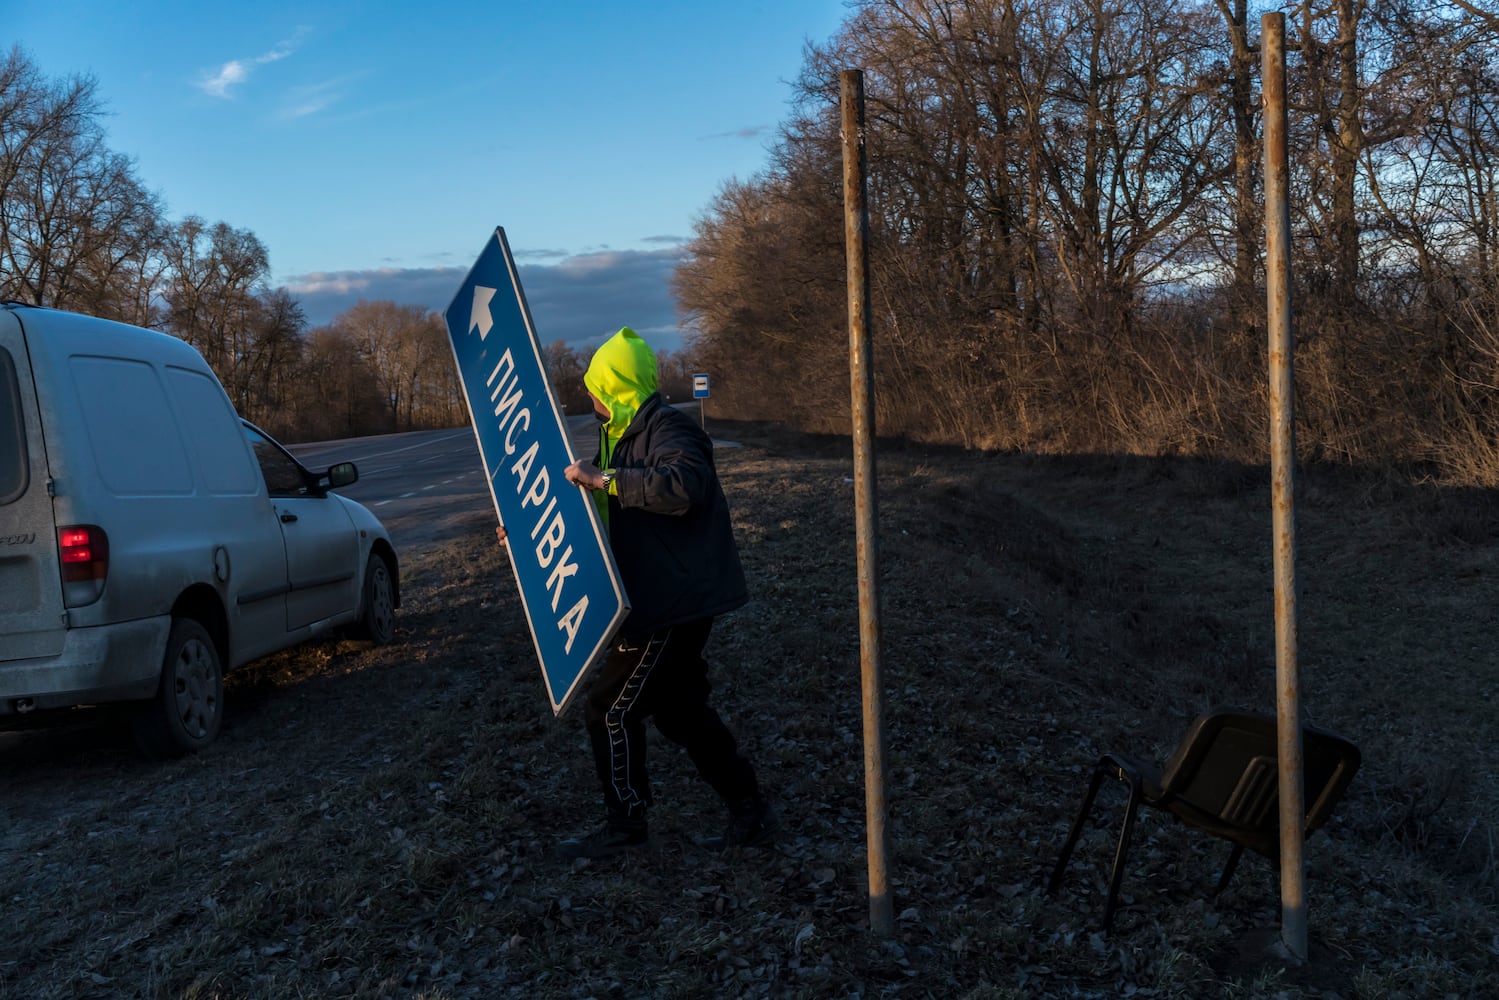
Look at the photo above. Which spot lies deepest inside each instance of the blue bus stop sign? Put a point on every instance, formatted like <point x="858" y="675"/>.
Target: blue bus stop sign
<point x="700" y="386"/>
<point x="563" y="567"/>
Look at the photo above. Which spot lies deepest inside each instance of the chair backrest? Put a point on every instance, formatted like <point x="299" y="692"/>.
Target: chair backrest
<point x="1329" y="762"/>
<point x="1226" y="767"/>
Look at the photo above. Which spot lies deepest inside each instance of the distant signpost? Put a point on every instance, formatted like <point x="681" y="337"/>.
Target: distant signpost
<point x="700" y="393"/>
<point x="558" y="549"/>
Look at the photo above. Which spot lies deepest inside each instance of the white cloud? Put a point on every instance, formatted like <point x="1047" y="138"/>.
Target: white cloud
<point x="229" y="74"/>
<point x="236" y="71"/>
<point x="309" y="103"/>
<point x="316" y="97"/>
<point x="343" y="282"/>
<point x="748" y="132"/>
<point x="599" y="262"/>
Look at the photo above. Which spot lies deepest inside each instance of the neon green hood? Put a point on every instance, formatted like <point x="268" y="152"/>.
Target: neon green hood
<point x="622" y="375"/>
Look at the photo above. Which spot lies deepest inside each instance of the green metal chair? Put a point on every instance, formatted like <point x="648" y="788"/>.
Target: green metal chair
<point x="1223" y="779"/>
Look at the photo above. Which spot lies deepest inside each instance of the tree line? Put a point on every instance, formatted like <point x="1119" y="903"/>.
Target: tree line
<point x="80" y="231"/>
<point x="1065" y="242"/>
<point x="1066" y="227"/>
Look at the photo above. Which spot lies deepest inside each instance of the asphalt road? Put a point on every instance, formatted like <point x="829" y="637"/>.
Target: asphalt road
<point x="429" y="486"/>
<point x="426" y="486"/>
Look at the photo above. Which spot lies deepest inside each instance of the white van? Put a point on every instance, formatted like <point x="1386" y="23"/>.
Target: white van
<point x="150" y="540"/>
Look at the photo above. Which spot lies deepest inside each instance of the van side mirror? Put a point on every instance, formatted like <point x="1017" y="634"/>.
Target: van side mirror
<point x="342" y="474"/>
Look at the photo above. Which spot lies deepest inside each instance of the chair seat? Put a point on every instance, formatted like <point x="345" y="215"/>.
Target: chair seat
<point x="1224" y="779"/>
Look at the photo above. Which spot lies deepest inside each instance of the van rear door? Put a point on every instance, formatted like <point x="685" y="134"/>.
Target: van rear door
<point x="31" y="609"/>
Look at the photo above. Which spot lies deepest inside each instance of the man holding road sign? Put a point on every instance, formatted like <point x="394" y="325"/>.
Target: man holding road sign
<point x="657" y="488"/>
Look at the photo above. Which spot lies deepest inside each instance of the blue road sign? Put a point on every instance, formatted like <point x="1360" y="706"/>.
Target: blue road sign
<point x="565" y="572"/>
<point x="700" y="386"/>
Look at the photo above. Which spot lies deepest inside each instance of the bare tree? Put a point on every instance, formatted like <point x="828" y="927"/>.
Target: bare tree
<point x="271" y="358"/>
<point x="676" y="375"/>
<point x="424" y="362"/>
<point x="1329" y="41"/>
<point x="336" y="393"/>
<point x="399" y="344"/>
<point x="77" y="229"/>
<point x="215" y="274"/>
<point x="1243" y="103"/>
<point x="437" y="400"/>
<point x="761" y="295"/>
<point x="565" y="366"/>
<point x="36" y="115"/>
<point x="1122" y="111"/>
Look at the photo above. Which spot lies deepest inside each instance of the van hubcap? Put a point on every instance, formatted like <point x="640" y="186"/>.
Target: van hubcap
<point x="196" y="702"/>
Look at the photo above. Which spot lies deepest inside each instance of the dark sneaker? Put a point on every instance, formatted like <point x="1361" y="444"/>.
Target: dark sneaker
<point x="606" y="842"/>
<point x="752" y="829"/>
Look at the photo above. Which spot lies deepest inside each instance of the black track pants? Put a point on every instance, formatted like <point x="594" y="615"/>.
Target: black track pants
<point x="665" y="678"/>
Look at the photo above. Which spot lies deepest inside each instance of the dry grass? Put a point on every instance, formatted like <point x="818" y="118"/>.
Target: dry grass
<point x="381" y="822"/>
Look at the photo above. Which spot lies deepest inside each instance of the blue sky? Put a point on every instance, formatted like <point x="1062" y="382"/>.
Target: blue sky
<point x="374" y="146"/>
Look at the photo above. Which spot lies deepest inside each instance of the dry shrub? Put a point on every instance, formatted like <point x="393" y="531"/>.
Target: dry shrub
<point x="1465" y="451"/>
<point x="1182" y="378"/>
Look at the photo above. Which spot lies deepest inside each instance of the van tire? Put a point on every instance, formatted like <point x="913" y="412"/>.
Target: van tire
<point x="377" y="605"/>
<point x="188" y="709"/>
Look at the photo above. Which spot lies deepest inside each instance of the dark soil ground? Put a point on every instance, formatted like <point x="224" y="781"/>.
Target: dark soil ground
<point x="382" y="822"/>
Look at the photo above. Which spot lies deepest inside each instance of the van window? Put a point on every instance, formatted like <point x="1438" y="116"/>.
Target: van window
<point x="284" y="475"/>
<point x="13" y="458"/>
<point x="213" y="433"/>
<point x="137" y="446"/>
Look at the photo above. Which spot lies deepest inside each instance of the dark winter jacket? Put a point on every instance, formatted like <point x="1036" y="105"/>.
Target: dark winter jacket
<point x="668" y="520"/>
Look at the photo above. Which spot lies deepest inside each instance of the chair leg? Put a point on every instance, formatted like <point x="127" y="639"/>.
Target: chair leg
<point x="1076" y="831"/>
<point x="1125" y="832"/>
<point x="1228" y="869"/>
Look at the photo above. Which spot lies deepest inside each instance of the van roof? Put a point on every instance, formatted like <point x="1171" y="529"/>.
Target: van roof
<point x="90" y="333"/>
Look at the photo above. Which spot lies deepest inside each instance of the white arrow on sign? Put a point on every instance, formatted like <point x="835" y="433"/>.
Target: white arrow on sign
<point x="480" y="316"/>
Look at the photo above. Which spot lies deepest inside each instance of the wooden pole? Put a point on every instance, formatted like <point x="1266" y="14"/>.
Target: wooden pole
<point x="1283" y="484"/>
<point x="866" y="511"/>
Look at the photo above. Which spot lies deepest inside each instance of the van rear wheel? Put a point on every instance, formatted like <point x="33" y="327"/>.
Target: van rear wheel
<point x="188" y="709"/>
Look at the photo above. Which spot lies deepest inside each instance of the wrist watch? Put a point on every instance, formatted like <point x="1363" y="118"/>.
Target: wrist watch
<point x="608" y="478"/>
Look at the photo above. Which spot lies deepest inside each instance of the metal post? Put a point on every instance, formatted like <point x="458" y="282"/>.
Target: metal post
<point x="1283" y="483"/>
<point x="861" y="372"/>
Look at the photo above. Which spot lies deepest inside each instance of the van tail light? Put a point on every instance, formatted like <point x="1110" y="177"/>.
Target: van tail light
<point x="83" y="551"/>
